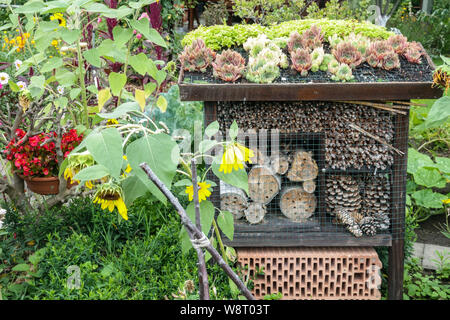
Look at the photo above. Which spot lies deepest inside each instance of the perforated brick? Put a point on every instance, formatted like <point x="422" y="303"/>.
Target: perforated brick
<point x="313" y="273"/>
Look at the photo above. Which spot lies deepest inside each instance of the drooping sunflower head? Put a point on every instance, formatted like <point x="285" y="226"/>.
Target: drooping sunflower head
<point x="441" y="78"/>
<point x="110" y="196"/>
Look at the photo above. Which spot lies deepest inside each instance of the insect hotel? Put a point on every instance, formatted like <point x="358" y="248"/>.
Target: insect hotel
<point x="327" y="119"/>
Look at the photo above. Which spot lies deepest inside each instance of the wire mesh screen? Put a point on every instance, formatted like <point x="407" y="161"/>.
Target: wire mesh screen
<point x="322" y="173"/>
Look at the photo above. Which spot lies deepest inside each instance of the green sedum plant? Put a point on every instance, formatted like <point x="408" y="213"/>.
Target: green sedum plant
<point x="222" y="36"/>
<point x="343" y="73"/>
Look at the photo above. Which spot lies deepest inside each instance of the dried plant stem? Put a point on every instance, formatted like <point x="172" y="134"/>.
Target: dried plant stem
<point x="406" y="103"/>
<point x="378" y="139"/>
<point x="202" y="273"/>
<point x="377" y="106"/>
<point x="195" y="232"/>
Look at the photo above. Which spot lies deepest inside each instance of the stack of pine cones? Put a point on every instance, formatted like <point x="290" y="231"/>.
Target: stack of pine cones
<point x="360" y="203"/>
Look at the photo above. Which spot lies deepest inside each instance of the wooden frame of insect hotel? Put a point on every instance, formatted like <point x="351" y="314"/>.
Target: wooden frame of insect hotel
<point x="329" y="165"/>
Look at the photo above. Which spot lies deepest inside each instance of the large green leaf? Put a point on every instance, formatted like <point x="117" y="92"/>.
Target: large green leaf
<point x="225" y="221"/>
<point x="30" y="7"/>
<point x="237" y="178"/>
<point x="429" y="177"/>
<point x="428" y="199"/>
<point x="121" y="36"/>
<point x="106" y="148"/>
<point x="52" y="63"/>
<point x="69" y="36"/>
<point x="162" y="155"/>
<point x="93" y="57"/>
<point x="417" y="160"/>
<point x="120" y="110"/>
<point x="443" y="164"/>
<point x="133" y="188"/>
<point x="143" y="27"/>
<point x="439" y="113"/>
<point x="92" y="173"/>
<point x="117" y="81"/>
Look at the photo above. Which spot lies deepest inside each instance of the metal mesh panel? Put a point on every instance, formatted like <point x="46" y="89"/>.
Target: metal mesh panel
<point x="324" y="173"/>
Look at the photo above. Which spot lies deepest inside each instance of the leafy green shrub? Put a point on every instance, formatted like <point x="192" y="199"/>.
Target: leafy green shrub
<point x="420" y="286"/>
<point x="222" y="36"/>
<point x="428" y="168"/>
<point x="215" y="13"/>
<point x="268" y="12"/>
<point x="431" y="30"/>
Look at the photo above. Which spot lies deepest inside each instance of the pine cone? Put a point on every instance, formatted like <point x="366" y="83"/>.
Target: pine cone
<point x="343" y="192"/>
<point x="345" y="218"/>
<point x="367" y="226"/>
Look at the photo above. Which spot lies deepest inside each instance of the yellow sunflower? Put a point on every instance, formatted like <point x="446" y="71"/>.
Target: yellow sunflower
<point x="59" y="16"/>
<point x="69" y="173"/>
<point x="110" y="197"/>
<point x="234" y="156"/>
<point x="203" y="191"/>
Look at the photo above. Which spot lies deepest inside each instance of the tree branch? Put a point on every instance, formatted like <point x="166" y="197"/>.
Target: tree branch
<point x="197" y="234"/>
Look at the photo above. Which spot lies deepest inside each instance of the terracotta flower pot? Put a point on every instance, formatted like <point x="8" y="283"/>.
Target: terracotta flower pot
<point x="43" y="185"/>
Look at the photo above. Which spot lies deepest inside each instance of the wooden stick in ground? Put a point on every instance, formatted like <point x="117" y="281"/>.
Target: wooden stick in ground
<point x="378" y="139"/>
<point x="202" y="273"/>
<point x="195" y="232"/>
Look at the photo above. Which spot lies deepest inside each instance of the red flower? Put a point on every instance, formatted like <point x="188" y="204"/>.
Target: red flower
<point x="30" y="159"/>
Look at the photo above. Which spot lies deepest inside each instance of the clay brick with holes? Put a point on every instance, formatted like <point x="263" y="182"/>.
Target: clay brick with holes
<point x="313" y="273"/>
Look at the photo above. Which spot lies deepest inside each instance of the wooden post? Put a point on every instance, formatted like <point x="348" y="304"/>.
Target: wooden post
<point x="396" y="251"/>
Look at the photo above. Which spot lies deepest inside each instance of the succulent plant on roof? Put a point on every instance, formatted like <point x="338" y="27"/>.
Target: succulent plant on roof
<point x="413" y="52"/>
<point x="343" y="73"/>
<point x="317" y="56"/>
<point x="347" y="53"/>
<point x="312" y="37"/>
<point x="228" y="66"/>
<point x="301" y="61"/>
<point x="377" y="52"/>
<point x="295" y="41"/>
<point x="398" y="42"/>
<point x="196" y="57"/>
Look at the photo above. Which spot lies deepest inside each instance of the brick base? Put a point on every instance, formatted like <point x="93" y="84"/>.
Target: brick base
<point x="313" y="273"/>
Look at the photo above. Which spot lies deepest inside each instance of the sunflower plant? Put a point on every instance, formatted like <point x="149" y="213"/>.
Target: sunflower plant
<point x="69" y="73"/>
<point x="120" y="146"/>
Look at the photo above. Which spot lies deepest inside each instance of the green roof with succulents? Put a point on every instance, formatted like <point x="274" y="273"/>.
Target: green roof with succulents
<point x="218" y="37"/>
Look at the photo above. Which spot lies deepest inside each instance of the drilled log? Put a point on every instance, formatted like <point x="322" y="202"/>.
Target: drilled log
<point x="297" y="204"/>
<point x="279" y="164"/>
<point x="303" y="167"/>
<point x="259" y="157"/>
<point x="255" y="212"/>
<point x="309" y="186"/>
<point x="263" y="184"/>
<point x="232" y="199"/>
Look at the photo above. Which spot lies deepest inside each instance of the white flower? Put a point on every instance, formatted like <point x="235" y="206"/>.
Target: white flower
<point x="18" y="64"/>
<point x="4" y="78"/>
<point x="60" y="90"/>
<point x="22" y="85"/>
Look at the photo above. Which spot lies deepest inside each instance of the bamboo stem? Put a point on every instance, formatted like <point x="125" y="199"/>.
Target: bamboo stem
<point x="377" y="106"/>
<point x="378" y="139"/>
<point x="195" y="232"/>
